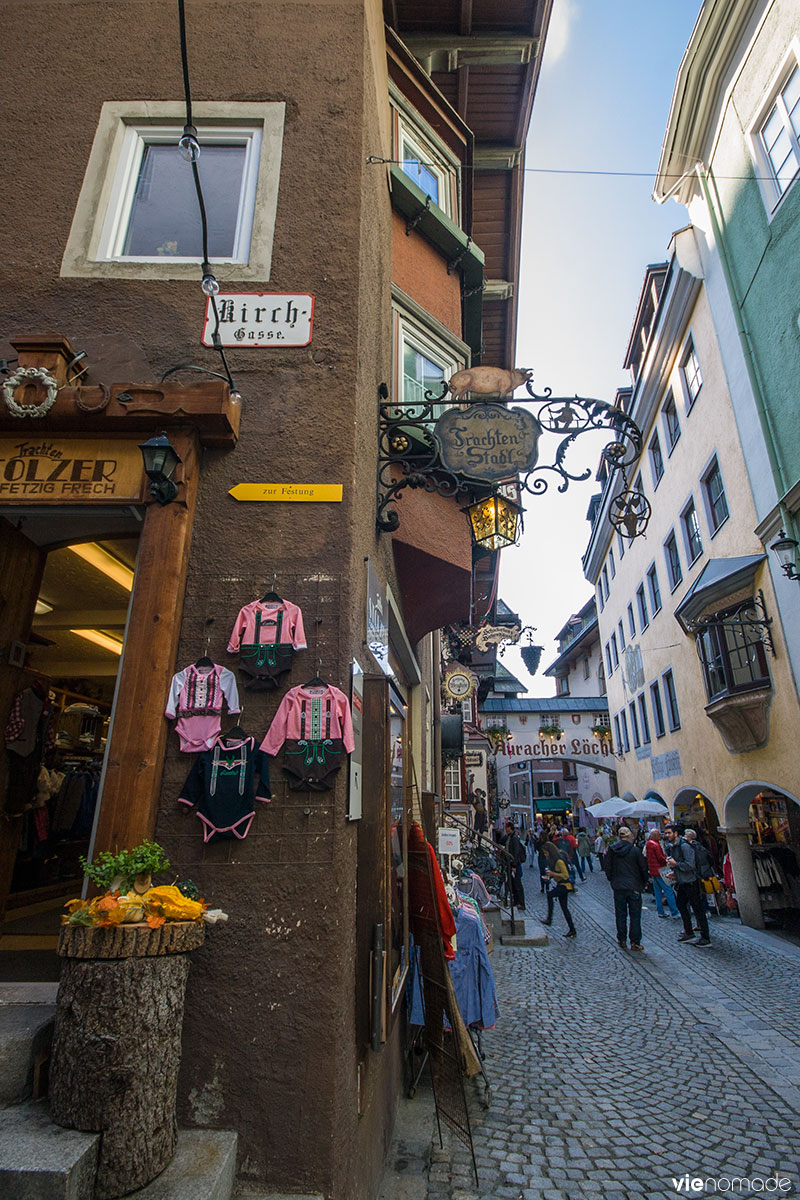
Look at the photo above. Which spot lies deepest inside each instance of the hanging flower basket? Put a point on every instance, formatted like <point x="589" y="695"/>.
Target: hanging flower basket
<point x="498" y="735"/>
<point x="531" y="656"/>
<point x="603" y="732"/>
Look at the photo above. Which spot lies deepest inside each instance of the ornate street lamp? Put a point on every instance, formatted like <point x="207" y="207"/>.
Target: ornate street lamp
<point x="786" y="550"/>
<point x="494" y="521"/>
<point x="160" y="460"/>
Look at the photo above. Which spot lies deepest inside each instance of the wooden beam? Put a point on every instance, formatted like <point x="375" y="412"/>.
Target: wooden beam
<point x="138" y="734"/>
<point x="101" y="618"/>
<point x="465" y="18"/>
<point x="463" y="91"/>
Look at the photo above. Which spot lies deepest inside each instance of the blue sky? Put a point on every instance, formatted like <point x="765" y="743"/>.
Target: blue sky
<point x="602" y="105"/>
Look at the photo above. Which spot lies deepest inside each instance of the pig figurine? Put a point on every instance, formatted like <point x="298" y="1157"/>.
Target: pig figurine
<point x="488" y="381"/>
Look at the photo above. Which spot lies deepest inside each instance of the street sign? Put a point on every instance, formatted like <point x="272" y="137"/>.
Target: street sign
<point x="260" y="319"/>
<point x="291" y="493"/>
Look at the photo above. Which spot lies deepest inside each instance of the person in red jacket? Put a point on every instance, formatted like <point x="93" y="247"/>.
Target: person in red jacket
<point x="656" y="859"/>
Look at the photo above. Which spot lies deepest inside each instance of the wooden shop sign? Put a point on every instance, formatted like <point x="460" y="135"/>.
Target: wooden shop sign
<point x="292" y="493"/>
<point x="260" y="319"/>
<point x="40" y="470"/>
<point x="488" y="441"/>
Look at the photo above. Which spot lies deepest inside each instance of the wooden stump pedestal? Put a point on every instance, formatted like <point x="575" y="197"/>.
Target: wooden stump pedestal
<point x="117" y="1044"/>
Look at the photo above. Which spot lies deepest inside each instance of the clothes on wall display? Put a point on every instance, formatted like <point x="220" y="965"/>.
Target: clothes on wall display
<point x="223" y="785"/>
<point x="314" y="725"/>
<point x="266" y="634"/>
<point x="472" y="975"/>
<point x="29" y="732"/>
<point x="196" y="695"/>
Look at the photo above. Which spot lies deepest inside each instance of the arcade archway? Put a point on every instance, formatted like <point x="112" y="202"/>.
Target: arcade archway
<point x="762" y="827"/>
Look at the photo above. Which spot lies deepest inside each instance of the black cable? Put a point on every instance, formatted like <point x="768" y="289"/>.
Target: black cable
<point x="189" y="367"/>
<point x="206" y="267"/>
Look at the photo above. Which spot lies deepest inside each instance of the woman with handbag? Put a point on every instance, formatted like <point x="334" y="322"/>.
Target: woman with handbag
<point x="657" y="866"/>
<point x="559" y="887"/>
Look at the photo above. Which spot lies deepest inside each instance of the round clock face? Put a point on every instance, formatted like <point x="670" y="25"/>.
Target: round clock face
<point x="458" y="685"/>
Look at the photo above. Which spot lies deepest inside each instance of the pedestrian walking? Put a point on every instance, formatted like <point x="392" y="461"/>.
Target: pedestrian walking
<point x="705" y="865"/>
<point x="656" y="863"/>
<point x="627" y="872"/>
<point x="683" y="861"/>
<point x="541" y="859"/>
<point x="567" y="843"/>
<point x="559" y="887"/>
<point x="600" y="847"/>
<point x="585" y="850"/>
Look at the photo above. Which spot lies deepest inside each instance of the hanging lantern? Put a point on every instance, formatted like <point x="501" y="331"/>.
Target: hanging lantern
<point x="494" y="521"/>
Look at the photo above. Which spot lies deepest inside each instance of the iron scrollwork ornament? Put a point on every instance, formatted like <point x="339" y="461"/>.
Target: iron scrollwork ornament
<point x="410" y="450"/>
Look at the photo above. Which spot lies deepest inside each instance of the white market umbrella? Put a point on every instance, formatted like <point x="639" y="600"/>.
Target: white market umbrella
<point x="644" y="808"/>
<point x="615" y="806"/>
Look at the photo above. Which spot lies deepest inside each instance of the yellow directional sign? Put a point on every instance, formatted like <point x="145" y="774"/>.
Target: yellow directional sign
<point x="291" y="493"/>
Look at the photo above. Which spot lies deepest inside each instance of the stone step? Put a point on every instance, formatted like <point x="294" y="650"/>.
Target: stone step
<point x="42" y="1161"/>
<point x="204" y="1168"/>
<point x="26" y="1030"/>
<point x="527" y="931"/>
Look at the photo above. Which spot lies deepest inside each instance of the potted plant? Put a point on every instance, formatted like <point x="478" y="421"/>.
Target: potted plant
<point x="498" y="735"/>
<point x="117" y="1036"/>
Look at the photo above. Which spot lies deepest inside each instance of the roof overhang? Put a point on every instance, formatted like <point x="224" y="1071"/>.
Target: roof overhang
<point x="721" y="583"/>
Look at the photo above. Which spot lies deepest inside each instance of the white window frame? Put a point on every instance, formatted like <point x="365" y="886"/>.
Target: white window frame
<point x="688" y="379"/>
<point x="771" y="192"/>
<point x="104" y="204"/>
<point x="427" y="337"/>
<point x="452" y="781"/>
<point x="410" y="131"/>
<point x="669" y="403"/>
<point x="120" y="208"/>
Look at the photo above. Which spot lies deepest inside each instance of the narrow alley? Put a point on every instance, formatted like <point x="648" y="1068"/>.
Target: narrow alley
<point x="619" y="1075"/>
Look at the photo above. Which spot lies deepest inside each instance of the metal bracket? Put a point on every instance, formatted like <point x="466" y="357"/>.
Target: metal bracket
<point x="456" y="262"/>
<point x="761" y="621"/>
<point x="409" y="453"/>
<point x="413" y="222"/>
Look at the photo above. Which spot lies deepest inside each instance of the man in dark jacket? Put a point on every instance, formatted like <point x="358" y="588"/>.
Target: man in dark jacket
<point x="518" y="854"/>
<point x="626" y="868"/>
<point x="683" y="860"/>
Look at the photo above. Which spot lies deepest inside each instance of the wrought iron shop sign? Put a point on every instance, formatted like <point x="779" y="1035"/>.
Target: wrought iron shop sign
<point x="488" y="442"/>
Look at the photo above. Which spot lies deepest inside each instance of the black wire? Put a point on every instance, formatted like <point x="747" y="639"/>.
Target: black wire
<point x="206" y="268"/>
<point x="185" y="62"/>
<point x="189" y="367"/>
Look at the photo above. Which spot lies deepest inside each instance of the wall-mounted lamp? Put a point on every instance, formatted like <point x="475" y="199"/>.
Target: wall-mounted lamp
<point x="160" y="461"/>
<point x="786" y="550"/>
<point x="494" y="522"/>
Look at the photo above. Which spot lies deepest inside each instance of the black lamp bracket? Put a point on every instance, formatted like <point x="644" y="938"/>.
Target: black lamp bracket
<point x="409" y="452"/>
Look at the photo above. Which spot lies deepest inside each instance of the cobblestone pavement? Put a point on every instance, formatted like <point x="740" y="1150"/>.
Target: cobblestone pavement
<point x="613" y="1073"/>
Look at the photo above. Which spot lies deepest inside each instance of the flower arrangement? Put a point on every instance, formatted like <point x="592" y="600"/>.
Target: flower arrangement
<point x="553" y="731"/>
<point x="128" y="896"/>
<point x="603" y="732"/>
<point x="497" y="735"/>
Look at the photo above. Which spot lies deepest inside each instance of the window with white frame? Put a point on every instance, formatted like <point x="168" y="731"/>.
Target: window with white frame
<point x="655" y="590"/>
<point x="671" y="695"/>
<point x="714" y="494"/>
<point x="656" y="460"/>
<point x="425" y="159"/>
<point x="691" y="532"/>
<point x="611" y="562"/>
<point x="614" y="651"/>
<point x="631" y="621"/>
<point x="424" y="360"/>
<point x="643" y="721"/>
<point x="672" y="425"/>
<point x="138" y="214"/>
<point x="777" y="137"/>
<point x="644" y="616"/>
<point x="452" y="782"/>
<point x="672" y="555"/>
<point x="637" y="741"/>
<point x="621" y="632"/>
<point x="658" y="710"/>
<point x="691" y="374"/>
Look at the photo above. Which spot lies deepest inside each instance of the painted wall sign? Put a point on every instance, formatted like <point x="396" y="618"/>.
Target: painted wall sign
<point x="473" y="758"/>
<point x="261" y="319"/>
<point x="488" y="441"/>
<point x="291" y="493"/>
<point x="50" y="470"/>
<point x="666" y="765"/>
<point x="585" y="747"/>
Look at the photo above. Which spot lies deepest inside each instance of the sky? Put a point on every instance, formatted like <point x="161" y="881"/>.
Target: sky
<point x="602" y="104"/>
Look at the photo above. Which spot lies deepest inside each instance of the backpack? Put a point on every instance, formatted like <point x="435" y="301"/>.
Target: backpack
<point x="521" y="855"/>
<point x="705" y="867"/>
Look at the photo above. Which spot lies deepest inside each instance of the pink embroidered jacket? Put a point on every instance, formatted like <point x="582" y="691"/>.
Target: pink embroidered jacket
<point x="313" y="714"/>
<point x="264" y="624"/>
<point x="195" y="696"/>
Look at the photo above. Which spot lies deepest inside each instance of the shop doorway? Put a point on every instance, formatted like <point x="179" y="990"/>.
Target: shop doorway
<point x="697" y="811"/>
<point x="768" y="859"/>
<point x="73" y="573"/>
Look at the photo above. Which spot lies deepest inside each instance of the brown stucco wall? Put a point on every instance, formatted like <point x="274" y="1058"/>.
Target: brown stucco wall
<point x="269" y="1041"/>
<point x="418" y="271"/>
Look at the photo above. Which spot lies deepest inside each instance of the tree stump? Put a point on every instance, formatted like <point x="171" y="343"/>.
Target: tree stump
<point x="117" y="1046"/>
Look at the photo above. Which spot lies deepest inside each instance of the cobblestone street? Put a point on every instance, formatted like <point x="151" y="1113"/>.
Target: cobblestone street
<point x="614" y="1073"/>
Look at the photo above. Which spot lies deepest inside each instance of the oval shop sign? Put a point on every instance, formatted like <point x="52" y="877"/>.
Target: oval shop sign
<point x="488" y="441"/>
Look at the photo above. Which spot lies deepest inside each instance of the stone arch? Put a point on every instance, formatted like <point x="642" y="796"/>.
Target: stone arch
<point x="737" y="831"/>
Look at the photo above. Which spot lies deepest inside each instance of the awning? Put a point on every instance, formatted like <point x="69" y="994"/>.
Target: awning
<point x="552" y="804"/>
<point x="720" y="580"/>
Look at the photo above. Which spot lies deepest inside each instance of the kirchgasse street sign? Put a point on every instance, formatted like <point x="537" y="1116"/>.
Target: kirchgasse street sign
<point x="261" y="319"/>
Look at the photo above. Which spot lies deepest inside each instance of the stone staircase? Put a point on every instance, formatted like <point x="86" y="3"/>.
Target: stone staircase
<point x="42" y="1161"/>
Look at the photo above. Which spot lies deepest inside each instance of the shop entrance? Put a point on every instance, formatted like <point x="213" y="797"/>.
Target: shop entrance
<point x="764" y="836"/>
<point x="71" y="572"/>
<point x="696" y="811"/>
